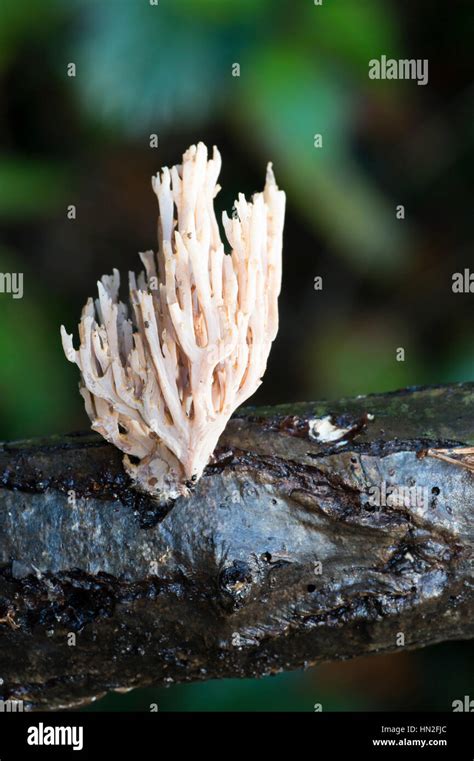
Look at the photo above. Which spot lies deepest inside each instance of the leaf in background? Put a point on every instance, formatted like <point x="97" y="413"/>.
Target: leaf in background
<point x="30" y="188"/>
<point x="458" y="363"/>
<point x="360" y="357"/>
<point x="20" y="22"/>
<point x="224" y="11"/>
<point x="286" y="101"/>
<point x="145" y="67"/>
<point x="350" y="32"/>
<point x="36" y="393"/>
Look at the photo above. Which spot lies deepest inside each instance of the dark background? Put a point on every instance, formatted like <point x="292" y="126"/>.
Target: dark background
<point x="387" y="283"/>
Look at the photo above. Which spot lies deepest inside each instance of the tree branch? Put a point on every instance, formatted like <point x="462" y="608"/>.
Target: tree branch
<point x="277" y="560"/>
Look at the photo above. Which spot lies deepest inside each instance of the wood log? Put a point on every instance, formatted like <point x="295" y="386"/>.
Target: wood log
<point x="319" y="531"/>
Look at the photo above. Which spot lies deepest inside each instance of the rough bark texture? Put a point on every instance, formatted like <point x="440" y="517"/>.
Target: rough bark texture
<point x="228" y="582"/>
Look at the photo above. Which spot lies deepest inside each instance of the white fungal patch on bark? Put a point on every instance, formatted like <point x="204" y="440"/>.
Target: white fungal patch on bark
<point x="324" y="430"/>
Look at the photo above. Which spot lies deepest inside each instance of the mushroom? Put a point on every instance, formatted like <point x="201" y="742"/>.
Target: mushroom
<point x="161" y="378"/>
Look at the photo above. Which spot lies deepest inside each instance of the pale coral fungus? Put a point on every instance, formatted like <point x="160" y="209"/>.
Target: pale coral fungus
<point x="161" y="379"/>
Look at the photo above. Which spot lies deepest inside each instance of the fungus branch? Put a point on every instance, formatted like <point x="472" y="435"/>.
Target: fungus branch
<point x="160" y="382"/>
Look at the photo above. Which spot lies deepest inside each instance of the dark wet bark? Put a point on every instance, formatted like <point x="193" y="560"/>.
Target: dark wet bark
<point x="275" y="562"/>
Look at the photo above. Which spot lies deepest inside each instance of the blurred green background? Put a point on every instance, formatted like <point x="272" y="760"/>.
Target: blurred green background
<point x="166" y="69"/>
